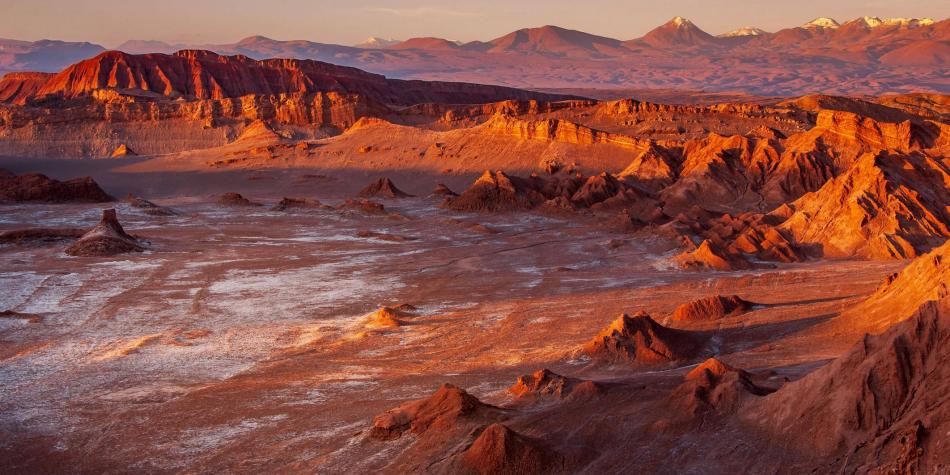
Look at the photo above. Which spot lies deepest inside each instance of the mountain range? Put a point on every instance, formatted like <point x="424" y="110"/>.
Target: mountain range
<point x="863" y="56"/>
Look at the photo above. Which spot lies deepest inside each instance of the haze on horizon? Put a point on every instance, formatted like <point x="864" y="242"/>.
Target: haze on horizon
<point x="110" y="22"/>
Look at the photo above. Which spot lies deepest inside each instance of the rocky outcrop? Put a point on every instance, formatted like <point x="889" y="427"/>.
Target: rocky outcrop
<point x="385" y="317"/>
<point x="497" y="192"/>
<point x="722" y="172"/>
<point x="106" y="239"/>
<point x="711" y="308"/>
<point x="884" y="207"/>
<point x="439" y="413"/>
<point x="840" y="137"/>
<point x="147" y="206"/>
<point x="557" y="130"/>
<point x="640" y="340"/>
<point x="499" y="450"/>
<point x="883" y="406"/>
<point x="291" y="204"/>
<point x="926" y="278"/>
<point x="16" y="88"/>
<point x="38" y="187"/>
<point x="383" y="188"/>
<point x="362" y="206"/>
<point x="717" y="386"/>
<point x="545" y="384"/>
<point x="558" y="194"/>
<point x="40" y="236"/>
<point x="652" y="169"/>
<point x="122" y="150"/>
<point x="444" y="191"/>
<point x="235" y="199"/>
<point x="709" y="256"/>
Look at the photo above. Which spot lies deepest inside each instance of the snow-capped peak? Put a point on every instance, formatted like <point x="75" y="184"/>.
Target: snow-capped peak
<point x="376" y="42"/>
<point x="871" y="22"/>
<point x="744" y="31"/>
<point x="680" y="22"/>
<point x="822" y="22"/>
<point x="874" y="22"/>
<point x="908" y="22"/>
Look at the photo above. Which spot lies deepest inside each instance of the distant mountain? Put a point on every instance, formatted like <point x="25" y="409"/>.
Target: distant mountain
<point x="43" y="55"/>
<point x="262" y="47"/>
<point x="427" y="43"/>
<point x="744" y="31"/>
<point x="867" y="55"/>
<point x="676" y="33"/>
<point x="822" y="22"/>
<point x="376" y="43"/>
<point x="198" y="74"/>
<point x="556" y="41"/>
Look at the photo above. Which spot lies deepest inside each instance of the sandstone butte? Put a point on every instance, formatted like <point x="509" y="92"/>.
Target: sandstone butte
<point x="639" y="340"/>
<point x="440" y="413"/>
<point x="38" y="187"/>
<point x="545" y="384"/>
<point x="715" y="385"/>
<point x="712" y="308"/>
<point x="106" y="239"/>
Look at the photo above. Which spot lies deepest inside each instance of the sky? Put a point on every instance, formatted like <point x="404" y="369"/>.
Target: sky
<point x="110" y="22"/>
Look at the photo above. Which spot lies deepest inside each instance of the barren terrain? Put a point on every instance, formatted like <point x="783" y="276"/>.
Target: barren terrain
<point x="236" y="342"/>
<point x="216" y="264"/>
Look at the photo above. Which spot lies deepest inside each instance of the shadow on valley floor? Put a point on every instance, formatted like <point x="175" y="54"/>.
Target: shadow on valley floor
<point x="794" y="303"/>
<point x="262" y="183"/>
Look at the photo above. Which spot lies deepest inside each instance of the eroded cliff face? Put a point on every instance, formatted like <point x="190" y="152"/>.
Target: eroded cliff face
<point x="158" y="103"/>
<point x="197" y="74"/>
<point x="95" y="125"/>
<point x="559" y="131"/>
<point x="16" y="88"/>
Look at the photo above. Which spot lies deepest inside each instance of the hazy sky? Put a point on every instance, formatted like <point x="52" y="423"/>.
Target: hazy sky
<point x="109" y="22"/>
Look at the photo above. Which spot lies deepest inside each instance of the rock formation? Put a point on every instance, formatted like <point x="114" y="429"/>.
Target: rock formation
<point x="883" y="207"/>
<point x="106" y="239"/>
<point x="926" y="278"/>
<point x="497" y="192"/>
<point x="290" y="204"/>
<point x="147" y="206"/>
<point x="717" y="386"/>
<point x="440" y="413"/>
<point x="712" y="257"/>
<point x="40" y="235"/>
<point x="122" y="151"/>
<point x="383" y="188"/>
<point x="362" y="206"/>
<point x="652" y="169"/>
<point x="444" y="191"/>
<point x="16" y="88"/>
<point x="206" y="75"/>
<point x="545" y="384"/>
<point x="385" y="317"/>
<point x="640" y="340"/>
<point x="235" y="199"/>
<point x="499" y="450"/>
<point x="556" y="130"/>
<point x="711" y="308"/>
<point x="882" y="406"/>
<point x="38" y="187"/>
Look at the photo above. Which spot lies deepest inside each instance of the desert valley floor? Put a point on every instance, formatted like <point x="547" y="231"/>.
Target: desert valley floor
<point x="219" y="264"/>
<point x="238" y="341"/>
